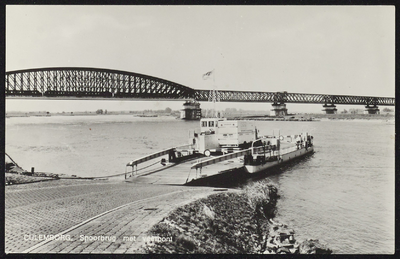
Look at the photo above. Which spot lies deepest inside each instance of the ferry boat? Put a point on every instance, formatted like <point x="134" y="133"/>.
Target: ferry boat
<point x="222" y="148"/>
<point x="226" y="139"/>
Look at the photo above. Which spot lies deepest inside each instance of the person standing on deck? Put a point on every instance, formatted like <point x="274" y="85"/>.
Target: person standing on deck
<point x="298" y="140"/>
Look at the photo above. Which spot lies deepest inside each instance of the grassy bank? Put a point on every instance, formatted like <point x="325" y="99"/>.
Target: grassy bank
<point x="225" y="223"/>
<point x="12" y="178"/>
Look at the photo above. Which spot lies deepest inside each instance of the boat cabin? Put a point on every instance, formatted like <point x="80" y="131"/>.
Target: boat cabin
<point x="219" y="134"/>
<point x="209" y="125"/>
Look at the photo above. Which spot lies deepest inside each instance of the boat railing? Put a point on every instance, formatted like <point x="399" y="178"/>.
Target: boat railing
<point x="187" y="147"/>
<point x="269" y="152"/>
<point x="149" y="157"/>
<point x="159" y="153"/>
<point x="176" y="154"/>
<point x="288" y="150"/>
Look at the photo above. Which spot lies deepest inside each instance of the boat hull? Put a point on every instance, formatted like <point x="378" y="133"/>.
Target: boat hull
<point x="284" y="159"/>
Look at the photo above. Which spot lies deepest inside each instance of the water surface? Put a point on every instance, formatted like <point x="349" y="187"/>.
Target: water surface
<point x="343" y="194"/>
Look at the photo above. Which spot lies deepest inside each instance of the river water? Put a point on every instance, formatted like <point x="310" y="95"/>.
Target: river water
<point x="343" y="194"/>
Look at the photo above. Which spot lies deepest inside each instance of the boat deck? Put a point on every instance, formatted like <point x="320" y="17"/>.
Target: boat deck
<point x="181" y="173"/>
<point x="178" y="174"/>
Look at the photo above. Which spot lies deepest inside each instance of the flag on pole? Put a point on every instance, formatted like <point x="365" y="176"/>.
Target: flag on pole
<point x="208" y="75"/>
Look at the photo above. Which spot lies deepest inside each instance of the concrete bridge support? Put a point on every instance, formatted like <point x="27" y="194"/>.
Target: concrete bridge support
<point x="191" y="111"/>
<point x="330" y="108"/>
<point x="371" y="109"/>
<point x="279" y="109"/>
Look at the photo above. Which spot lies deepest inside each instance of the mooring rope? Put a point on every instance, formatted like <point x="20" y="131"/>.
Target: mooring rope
<point x="12" y="160"/>
<point x="114" y="175"/>
<point x="89" y="177"/>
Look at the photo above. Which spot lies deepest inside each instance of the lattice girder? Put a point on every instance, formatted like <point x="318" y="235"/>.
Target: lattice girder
<point x="93" y="82"/>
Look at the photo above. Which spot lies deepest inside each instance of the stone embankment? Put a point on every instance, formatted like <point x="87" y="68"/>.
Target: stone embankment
<point x="232" y="222"/>
<point x="281" y="240"/>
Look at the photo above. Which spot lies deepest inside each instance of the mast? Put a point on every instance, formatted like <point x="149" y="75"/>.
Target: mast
<point x="214" y="96"/>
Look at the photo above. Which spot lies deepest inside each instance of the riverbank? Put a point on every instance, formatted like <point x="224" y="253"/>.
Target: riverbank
<point x="318" y="117"/>
<point x="14" y="174"/>
<point x="14" y="114"/>
<point x="240" y="116"/>
<point x="232" y="222"/>
<point x="11" y="178"/>
<point x="197" y="219"/>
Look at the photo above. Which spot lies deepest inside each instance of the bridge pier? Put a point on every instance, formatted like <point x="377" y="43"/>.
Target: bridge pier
<point x="371" y="109"/>
<point x="279" y="109"/>
<point x="330" y="108"/>
<point x="191" y="111"/>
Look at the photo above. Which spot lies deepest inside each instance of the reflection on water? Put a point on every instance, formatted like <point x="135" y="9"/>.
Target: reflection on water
<point x="343" y="194"/>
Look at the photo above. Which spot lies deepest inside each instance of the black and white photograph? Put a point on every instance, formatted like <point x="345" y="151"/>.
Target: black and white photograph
<point x="199" y="129"/>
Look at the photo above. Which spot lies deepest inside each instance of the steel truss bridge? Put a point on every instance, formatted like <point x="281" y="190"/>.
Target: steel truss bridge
<point x="104" y="83"/>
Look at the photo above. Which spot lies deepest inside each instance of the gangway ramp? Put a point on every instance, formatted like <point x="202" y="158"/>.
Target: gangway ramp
<point x="181" y="173"/>
<point x="171" y="173"/>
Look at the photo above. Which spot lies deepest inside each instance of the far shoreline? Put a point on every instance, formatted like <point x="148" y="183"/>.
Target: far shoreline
<point x="241" y="116"/>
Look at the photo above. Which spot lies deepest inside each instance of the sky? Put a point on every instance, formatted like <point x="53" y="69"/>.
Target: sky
<point x="345" y="50"/>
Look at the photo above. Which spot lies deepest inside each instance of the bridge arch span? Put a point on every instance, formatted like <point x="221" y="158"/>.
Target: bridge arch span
<point x="107" y="83"/>
<point x="91" y="82"/>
